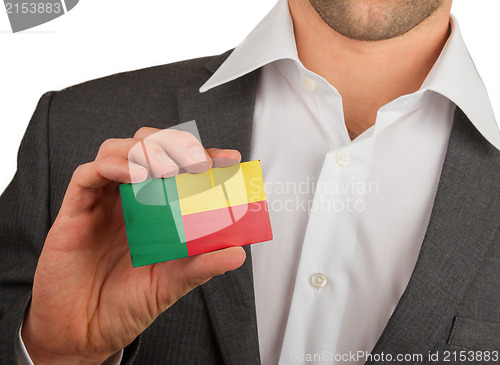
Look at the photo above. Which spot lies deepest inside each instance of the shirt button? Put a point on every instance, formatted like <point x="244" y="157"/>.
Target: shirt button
<point x="318" y="280"/>
<point x="310" y="85"/>
<point x="342" y="158"/>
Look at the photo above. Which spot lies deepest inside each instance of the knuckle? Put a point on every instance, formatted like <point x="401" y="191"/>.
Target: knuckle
<point x="136" y="155"/>
<point x="143" y="131"/>
<point x="136" y="145"/>
<point x="106" y="146"/>
<point x="189" y="137"/>
<point x="80" y="170"/>
<point x="194" y="282"/>
<point x="149" y="145"/>
<point x="181" y="135"/>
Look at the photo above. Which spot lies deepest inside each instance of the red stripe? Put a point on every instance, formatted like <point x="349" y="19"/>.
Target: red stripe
<point x="213" y="230"/>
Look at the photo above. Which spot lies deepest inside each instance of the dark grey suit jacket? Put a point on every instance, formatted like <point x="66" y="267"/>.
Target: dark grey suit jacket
<point x="451" y="303"/>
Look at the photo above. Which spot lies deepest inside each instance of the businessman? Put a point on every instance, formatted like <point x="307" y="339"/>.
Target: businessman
<point x="399" y="256"/>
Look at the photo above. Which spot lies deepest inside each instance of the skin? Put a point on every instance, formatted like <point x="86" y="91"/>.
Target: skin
<point x="375" y="20"/>
<point x="369" y="74"/>
<point x="88" y="302"/>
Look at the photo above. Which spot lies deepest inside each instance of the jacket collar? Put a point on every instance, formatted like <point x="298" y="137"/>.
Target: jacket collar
<point x="460" y="231"/>
<point x="462" y="227"/>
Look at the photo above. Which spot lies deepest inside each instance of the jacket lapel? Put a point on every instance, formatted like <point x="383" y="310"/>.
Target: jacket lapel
<point x="463" y="222"/>
<point x="224" y="117"/>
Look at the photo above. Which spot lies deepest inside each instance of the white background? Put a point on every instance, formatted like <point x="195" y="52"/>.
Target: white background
<point x="101" y="37"/>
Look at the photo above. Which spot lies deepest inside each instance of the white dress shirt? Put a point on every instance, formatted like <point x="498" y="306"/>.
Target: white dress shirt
<point x="348" y="217"/>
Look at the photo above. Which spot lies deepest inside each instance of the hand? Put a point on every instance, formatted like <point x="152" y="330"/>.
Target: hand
<point x="88" y="302"/>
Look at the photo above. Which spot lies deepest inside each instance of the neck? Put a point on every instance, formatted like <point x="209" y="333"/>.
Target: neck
<point x="368" y="75"/>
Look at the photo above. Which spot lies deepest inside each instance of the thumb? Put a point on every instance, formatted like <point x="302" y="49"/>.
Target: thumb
<point x="191" y="272"/>
<point x="203" y="267"/>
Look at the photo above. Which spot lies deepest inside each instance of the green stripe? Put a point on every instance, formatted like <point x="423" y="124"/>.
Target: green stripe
<point x="154" y="228"/>
<point x="170" y="187"/>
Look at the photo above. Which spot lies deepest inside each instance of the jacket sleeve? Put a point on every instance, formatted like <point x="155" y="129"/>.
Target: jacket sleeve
<point x="25" y="220"/>
<point x="24" y="223"/>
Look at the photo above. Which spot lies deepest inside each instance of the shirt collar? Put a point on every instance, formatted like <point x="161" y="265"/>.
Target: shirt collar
<point x="453" y="75"/>
<point x="271" y="40"/>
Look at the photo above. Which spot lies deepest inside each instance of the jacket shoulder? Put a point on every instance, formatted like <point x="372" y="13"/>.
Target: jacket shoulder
<point x="79" y="118"/>
<point x="146" y="82"/>
<point x="119" y="104"/>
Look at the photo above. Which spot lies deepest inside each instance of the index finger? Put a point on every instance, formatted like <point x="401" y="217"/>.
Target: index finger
<point x="182" y="147"/>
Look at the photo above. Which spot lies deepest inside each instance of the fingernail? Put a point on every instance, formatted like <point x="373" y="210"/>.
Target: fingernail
<point x="138" y="173"/>
<point x="197" y="154"/>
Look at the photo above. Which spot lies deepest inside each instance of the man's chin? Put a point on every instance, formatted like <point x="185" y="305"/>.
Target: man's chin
<point x="371" y="21"/>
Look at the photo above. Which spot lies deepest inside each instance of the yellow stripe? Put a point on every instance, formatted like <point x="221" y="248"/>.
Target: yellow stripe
<point x="221" y="187"/>
<point x="212" y="178"/>
<point x="254" y="182"/>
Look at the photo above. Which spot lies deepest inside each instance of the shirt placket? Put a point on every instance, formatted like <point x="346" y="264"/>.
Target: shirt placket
<point x="322" y="279"/>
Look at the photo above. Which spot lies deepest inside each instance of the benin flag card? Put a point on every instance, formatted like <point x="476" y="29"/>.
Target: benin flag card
<point x="190" y="214"/>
